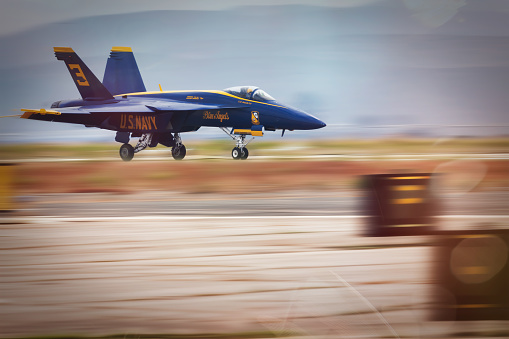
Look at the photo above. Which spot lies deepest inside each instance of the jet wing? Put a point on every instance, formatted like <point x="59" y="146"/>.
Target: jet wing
<point x="189" y="106"/>
<point x="143" y="107"/>
<point x="97" y="115"/>
<point x="113" y="108"/>
<point x="118" y="108"/>
<point x="154" y="107"/>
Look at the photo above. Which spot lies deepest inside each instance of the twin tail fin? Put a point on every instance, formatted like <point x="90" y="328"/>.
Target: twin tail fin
<point x="87" y="83"/>
<point x="121" y="75"/>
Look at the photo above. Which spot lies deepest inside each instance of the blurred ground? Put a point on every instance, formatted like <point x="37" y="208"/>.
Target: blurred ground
<point x="272" y="166"/>
<point x="218" y="274"/>
<point x="251" y="249"/>
<point x="228" y="176"/>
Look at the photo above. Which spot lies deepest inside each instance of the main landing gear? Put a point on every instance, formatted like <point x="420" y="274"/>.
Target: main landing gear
<point x="178" y="150"/>
<point x="240" y="151"/>
<point x="126" y="152"/>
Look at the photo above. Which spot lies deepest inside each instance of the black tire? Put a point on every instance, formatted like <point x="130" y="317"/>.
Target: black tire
<point x="178" y="153"/>
<point x="236" y="153"/>
<point x="126" y="152"/>
<point x="245" y="154"/>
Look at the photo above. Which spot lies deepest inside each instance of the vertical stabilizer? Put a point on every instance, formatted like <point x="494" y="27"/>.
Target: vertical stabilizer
<point x="122" y="74"/>
<point x="87" y="83"/>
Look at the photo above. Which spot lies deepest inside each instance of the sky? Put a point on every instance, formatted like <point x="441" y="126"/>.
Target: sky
<point x="20" y="15"/>
<point x="427" y="67"/>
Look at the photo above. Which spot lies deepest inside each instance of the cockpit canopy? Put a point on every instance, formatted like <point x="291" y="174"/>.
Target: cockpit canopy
<point x="250" y="93"/>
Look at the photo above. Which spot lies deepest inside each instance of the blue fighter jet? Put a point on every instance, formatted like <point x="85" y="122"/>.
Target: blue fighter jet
<point x="121" y="103"/>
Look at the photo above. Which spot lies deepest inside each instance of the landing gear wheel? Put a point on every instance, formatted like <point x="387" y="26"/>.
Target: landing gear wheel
<point x="126" y="152"/>
<point x="178" y="152"/>
<point x="236" y="153"/>
<point x="245" y="153"/>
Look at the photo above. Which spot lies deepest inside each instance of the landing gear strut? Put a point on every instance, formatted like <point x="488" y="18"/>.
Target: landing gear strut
<point x="127" y="151"/>
<point x="178" y="152"/>
<point x="240" y="151"/>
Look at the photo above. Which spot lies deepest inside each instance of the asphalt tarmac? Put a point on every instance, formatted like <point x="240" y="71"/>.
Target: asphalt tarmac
<point x="291" y="203"/>
<point x="282" y="263"/>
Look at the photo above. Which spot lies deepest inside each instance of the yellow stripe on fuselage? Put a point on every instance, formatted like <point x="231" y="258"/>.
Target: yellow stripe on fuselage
<point x="214" y="92"/>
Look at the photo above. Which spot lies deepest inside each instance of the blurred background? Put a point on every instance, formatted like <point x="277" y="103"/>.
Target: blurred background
<point x="440" y="64"/>
<point x="299" y="240"/>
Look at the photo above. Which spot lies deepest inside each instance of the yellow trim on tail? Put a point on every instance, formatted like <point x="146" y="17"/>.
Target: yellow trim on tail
<point x="63" y="50"/>
<point x="121" y="49"/>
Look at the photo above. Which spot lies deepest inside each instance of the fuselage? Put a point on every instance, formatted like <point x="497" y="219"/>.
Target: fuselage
<point x="169" y="111"/>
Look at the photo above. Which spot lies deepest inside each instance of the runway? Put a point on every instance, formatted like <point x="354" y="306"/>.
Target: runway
<point x="163" y="155"/>
<point x="284" y="204"/>
<point x="281" y="263"/>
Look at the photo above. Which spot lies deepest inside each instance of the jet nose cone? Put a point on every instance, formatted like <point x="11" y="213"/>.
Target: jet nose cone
<point x="307" y="121"/>
<point x="296" y="119"/>
<point x="321" y="124"/>
<point x="315" y="123"/>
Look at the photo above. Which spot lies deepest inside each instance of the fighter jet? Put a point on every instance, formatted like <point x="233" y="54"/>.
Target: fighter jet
<point x="121" y="103"/>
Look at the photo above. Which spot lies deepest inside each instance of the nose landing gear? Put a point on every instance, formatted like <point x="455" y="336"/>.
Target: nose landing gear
<point x="240" y="151"/>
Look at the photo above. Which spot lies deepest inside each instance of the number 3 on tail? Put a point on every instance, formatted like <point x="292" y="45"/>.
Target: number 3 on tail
<point x="79" y="74"/>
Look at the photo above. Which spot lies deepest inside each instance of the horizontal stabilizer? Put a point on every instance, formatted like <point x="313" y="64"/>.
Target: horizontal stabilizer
<point x="70" y="115"/>
<point x="29" y="112"/>
<point x="40" y="111"/>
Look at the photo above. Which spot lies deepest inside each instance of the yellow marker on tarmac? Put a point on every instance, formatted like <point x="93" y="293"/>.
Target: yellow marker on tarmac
<point x="6" y="187"/>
